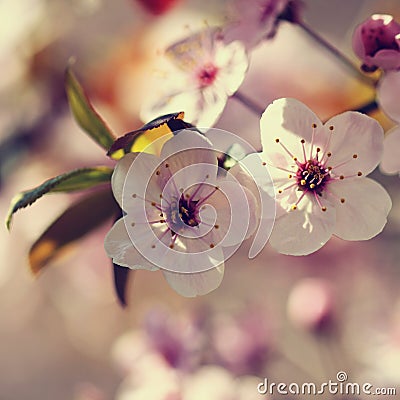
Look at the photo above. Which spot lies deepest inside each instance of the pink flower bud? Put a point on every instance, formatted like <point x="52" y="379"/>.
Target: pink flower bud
<point x="377" y="43"/>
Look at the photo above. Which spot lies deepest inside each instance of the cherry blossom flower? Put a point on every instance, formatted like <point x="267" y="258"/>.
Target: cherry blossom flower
<point x="319" y="171"/>
<point x="179" y="216"/>
<point x="376" y="42"/>
<point x="206" y="71"/>
<point x="256" y="20"/>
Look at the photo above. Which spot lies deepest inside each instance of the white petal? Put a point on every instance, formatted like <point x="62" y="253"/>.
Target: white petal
<point x="236" y="210"/>
<point x="258" y="180"/>
<point x="388" y="94"/>
<point x="194" y="50"/>
<point x="119" y="175"/>
<point x="191" y="285"/>
<point x="138" y="180"/>
<point x="391" y="147"/>
<point x="232" y="62"/>
<point x="355" y="134"/>
<point x="290" y="121"/>
<point x="305" y="230"/>
<point x="119" y="247"/>
<point x="190" y="159"/>
<point x="169" y="97"/>
<point x="364" y="212"/>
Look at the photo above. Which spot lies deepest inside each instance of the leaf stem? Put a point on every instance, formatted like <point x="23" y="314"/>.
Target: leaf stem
<point x="337" y="53"/>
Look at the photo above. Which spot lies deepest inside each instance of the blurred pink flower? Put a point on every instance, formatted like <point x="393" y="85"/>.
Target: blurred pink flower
<point x="179" y="215"/>
<point x="180" y="339"/>
<point x="256" y="20"/>
<point x="318" y="172"/>
<point x="253" y="21"/>
<point x="376" y="42"/>
<point x="206" y="72"/>
<point x="391" y="145"/>
<point x="241" y="342"/>
<point x="388" y="94"/>
<point x="311" y="304"/>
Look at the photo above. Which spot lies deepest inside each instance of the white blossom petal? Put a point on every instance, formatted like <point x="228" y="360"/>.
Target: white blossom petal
<point x="232" y="62"/>
<point x="364" y="212"/>
<point x="304" y="230"/>
<point x="388" y="94"/>
<point x="290" y="121"/>
<point x="356" y="142"/>
<point x="191" y="161"/>
<point x="139" y="178"/>
<point x="191" y="285"/>
<point x="391" y="147"/>
<point x="119" y="247"/>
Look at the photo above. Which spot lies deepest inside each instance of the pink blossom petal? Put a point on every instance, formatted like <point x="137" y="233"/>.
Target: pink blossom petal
<point x="255" y="176"/>
<point x="391" y="146"/>
<point x="364" y="212"/>
<point x="190" y="159"/>
<point x="191" y="285"/>
<point x="289" y="121"/>
<point x="138" y="178"/>
<point x="388" y="94"/>
<point x="303" y="231"/>
<point x="119" y="247"/>
<point x="236" y="213"/>
<point x="385" y="59"/>
<point x="356" y="143"/>
<point x="193" y="50"/>
<point x="232" y="63"/>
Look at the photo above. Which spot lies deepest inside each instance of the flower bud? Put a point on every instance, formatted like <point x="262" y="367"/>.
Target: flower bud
<point x="376" y="42"/>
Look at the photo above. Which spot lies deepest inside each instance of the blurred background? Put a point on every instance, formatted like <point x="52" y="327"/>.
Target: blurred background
<point x="291" y="319"/>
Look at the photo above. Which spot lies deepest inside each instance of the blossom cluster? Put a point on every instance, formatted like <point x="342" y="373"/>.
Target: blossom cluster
<point x="186" y="201"/>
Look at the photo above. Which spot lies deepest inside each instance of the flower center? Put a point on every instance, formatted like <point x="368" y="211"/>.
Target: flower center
<point x="182" y="213"/>
<point x="207" y="74"/>
<point x="312" y="175"/>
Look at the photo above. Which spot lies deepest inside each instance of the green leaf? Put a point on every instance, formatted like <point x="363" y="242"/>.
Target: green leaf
<point x="87" y="214"/>
<point x="86" y="116"/>
<point x="77" y="179"/>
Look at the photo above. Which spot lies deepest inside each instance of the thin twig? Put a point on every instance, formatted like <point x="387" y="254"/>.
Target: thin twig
<point x="250" y="104"/>
<point x="335" y="52"/>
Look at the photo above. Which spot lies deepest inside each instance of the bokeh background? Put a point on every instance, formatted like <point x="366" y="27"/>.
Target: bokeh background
<point x="63" y="335"/>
